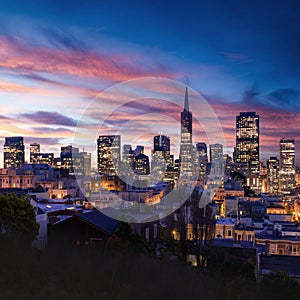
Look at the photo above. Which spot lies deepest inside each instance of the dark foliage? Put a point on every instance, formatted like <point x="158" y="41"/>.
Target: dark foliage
<point x="279" y="286"/>
<point x="17" y="218"/>
<point x="87" y="273"/>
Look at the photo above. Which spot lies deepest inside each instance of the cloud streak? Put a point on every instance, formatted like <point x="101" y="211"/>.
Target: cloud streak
<point x="16" y="55"/>
<point x="53" y="118"/>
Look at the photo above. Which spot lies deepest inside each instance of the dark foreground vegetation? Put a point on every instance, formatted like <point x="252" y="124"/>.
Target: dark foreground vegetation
<point x="123" y="267"/>
<point x="88" y="273"/>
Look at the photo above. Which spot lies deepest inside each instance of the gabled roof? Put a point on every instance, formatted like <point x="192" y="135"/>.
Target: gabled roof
<point x="99" y="221"/>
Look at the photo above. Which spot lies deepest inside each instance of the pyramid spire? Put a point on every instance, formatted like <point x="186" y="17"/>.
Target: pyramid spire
<point x="186" y="100"/>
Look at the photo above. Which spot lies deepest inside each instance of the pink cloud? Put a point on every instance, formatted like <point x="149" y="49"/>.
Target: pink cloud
<point x="16" y="55"/>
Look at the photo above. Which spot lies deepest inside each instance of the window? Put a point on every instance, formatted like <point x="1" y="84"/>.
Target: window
<point x="229" y="233"/>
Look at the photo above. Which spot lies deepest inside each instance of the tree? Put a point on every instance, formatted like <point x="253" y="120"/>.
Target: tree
<point x="182" y="221"/>
<point x="234" y="266"/>
<point x="178" y="222"/>
<point x="203" y="222"/>
<point x="279" y="286"/>
<point x="17" y="218"/>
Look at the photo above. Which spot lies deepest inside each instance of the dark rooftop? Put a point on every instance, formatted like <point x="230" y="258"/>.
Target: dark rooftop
<point x="100" y="221"/>
<point x="280" y="263"/>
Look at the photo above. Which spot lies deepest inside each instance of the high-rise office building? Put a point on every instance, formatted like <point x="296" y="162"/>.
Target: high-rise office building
<point x="34" y="148"/>
<point x="128" y="155"/>
<point x="108" y="154"/>
<point x="215" y="152"/>
<point x="42" y="158"/>
<point x="161" y="144"/>
<point x="139" y="150"/>
<point x="186" y="148"/>
<point x="217" y="161"/>
<point x="82" y="163"/>
<point x="66" y="157"/>
<point x="202" y="160"/>
<point x="141" y="164"/>
<point x="287" y="166"/>
<point x="14" y="154"/>
<point x="273" y="175"/>
<point x="36" y="157"/>
<point x="202" y="149"/>
<point x="126" y="149"/>
<point x="247" y="142"/>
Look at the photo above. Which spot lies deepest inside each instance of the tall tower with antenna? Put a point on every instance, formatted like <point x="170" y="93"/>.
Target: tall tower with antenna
<point x="186" y="146"/>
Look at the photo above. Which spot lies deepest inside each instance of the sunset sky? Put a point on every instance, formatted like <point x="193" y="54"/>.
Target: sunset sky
<point x="57" y="56"/>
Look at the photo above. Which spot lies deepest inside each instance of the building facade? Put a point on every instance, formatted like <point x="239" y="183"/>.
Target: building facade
<point x="247" y="142"/>
<point x="161" y="144"/>
<point x="108" y="154"/>
<point x="141" y="164"/>
<point x="186" y="147"/>
<point x="202" y="160"/>
<point x="273" y="175"/>
<point x="287" y="166"/>
<point x="66" y="157"/>
<point x="14" y="152"/>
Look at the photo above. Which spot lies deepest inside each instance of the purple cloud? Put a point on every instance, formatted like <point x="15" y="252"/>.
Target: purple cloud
<point x="51" y="118"/>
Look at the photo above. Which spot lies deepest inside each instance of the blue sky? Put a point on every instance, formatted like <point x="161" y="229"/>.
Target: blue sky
<point x="55" y="56"/>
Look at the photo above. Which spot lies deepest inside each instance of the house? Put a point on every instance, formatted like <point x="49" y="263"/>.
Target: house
<point x="82" y="229"/>
<point x="279" y="263"/>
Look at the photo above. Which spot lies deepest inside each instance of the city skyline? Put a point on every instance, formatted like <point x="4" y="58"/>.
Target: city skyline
<point x="151" y="149"/>
<point x="43" y="101"/>
<point x="247" y="128"/>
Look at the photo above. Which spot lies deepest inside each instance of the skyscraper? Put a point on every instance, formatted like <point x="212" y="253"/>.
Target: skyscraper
<point x="202" y="160"/>
<point x="139" y="150"/>
<point x="128" y="156"/>
<point x="215" y="152"/>
<point x="82" y="163"/>
<point x="247" y="142"/>
<point x="161" y="144"/>
<point x="141" y="164"/>
<point x="108" y="154"/>
<point x="217" y="162"/>
<point x="287" y="166"/>
<point x="42" y="158"/>
<point x="186" y="149"/>
<point x="34" y="148"/>
<point x="273" y="175"/>
<point x="36" y="157"/>
<point x="14" y="155"/>
<point x="66" y="157"/>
